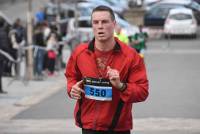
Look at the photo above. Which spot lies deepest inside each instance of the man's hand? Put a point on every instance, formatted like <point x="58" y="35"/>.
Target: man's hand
<point x="77" y="90"/>
<point x="114" y="78"/>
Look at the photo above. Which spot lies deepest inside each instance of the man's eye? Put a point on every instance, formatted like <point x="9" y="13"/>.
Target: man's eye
<point x="105" y="21"/>
<point x="95" y="22"/>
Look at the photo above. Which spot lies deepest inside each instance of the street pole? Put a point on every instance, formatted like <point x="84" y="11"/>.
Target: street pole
<point x="29" y="39"/>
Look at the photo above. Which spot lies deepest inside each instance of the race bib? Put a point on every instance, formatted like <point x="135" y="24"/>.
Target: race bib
<point x="98" y="89"/>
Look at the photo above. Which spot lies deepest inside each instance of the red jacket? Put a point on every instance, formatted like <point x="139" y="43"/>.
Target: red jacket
<point x="108" y="115"/>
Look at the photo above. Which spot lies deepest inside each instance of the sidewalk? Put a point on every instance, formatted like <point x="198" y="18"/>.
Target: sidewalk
<point x="21" y="96"/>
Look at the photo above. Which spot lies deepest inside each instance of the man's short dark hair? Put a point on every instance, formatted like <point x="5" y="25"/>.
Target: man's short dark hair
<point x="105" y="8"/>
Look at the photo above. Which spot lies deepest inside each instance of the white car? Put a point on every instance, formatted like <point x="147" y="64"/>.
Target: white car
<point x="79" y="30"/>
<point x="180" y="21"/>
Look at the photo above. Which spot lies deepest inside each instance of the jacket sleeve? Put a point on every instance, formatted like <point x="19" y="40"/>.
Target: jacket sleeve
<point x="137" y="82"/>
<point x="71" y="73"/>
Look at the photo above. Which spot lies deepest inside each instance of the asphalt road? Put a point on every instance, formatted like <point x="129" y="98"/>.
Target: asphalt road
<point x="174" y="76"/>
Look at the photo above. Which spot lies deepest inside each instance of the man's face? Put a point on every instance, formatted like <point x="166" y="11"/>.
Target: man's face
<point x="103" y="25"/>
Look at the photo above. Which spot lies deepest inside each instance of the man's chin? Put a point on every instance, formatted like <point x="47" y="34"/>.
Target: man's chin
<point x="102" y="39"/>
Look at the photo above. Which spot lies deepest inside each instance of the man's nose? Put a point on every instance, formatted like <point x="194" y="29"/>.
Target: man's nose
<point x="100" y="25"/>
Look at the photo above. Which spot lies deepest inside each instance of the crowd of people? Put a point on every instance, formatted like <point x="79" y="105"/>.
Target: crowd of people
<point x="47" y="52"/>
<point x="46" y="48"/>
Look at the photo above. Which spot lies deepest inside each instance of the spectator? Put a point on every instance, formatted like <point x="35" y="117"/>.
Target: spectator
<point x="4" y="46"/>
<point x="39" y="51"/>
<point x="52" y="45"/>
<point x="138" y="41"/>
<point x="120" y="35"/>
<point x="17" y="36"/>
<point x="40" y="15"/>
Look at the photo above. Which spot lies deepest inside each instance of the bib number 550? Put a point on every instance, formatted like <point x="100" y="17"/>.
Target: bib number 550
<point x="98" y="92"/>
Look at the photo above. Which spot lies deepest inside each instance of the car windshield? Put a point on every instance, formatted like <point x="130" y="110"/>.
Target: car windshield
<point x="181" y="16"/>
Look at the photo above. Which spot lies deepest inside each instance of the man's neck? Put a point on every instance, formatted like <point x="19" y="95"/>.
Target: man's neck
<point x="105" y="46"/>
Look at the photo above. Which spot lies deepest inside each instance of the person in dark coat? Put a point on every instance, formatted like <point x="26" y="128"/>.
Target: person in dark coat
<point x="4" y="46"/>
<point x="17" y="36"/>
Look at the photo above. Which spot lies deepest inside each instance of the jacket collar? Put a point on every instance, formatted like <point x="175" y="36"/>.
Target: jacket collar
<point x="117" y="46"/>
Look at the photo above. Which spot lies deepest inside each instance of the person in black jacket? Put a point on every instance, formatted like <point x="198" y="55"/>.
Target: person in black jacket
<point x="39" y="51"/>
<point x="17" y="36"/>
<point x="4" y="46"/>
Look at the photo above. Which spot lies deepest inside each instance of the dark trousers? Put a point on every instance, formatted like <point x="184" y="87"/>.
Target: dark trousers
<point x="87" y="131"/>
<point x="51" y="65"/>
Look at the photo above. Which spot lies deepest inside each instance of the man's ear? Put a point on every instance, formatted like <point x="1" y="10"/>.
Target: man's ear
<point x="115" y="23"/>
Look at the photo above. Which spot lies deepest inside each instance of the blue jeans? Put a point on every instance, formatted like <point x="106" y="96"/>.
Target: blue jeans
<point x="39" y="60"/>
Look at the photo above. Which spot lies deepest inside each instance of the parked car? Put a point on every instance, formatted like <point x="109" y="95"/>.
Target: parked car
<point x="78" y="32"/>
<point x="148" y="3"/>
<point x="180" y="21"/>
<point x="80" y="29"/>
<point x="157" y="14"/>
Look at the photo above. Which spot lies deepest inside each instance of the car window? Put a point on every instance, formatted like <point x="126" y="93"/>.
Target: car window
<point x="84" y="23"/>
<point x="159" y="12"/>
<point x="180" y="16"/>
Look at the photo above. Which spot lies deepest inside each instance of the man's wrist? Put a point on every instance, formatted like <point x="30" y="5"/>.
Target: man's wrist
<point x="122" y="87"/>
